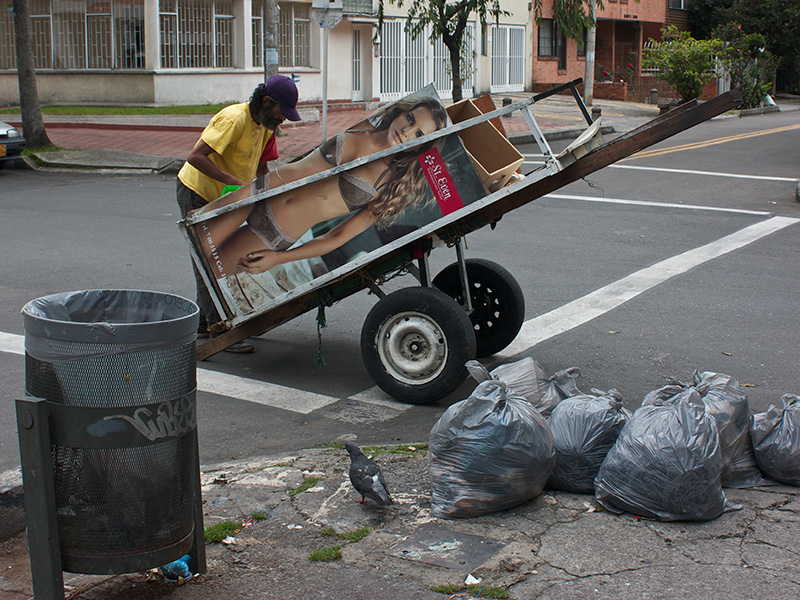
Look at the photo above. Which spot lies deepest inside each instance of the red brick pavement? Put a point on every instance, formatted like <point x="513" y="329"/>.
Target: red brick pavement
<point x="177" y="141"/>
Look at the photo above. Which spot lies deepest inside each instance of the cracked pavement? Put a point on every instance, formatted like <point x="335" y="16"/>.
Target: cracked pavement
<point x="558" y="545"/>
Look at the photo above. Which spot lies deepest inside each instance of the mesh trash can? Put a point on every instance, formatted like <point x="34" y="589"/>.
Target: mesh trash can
<point x="117" y="371"/>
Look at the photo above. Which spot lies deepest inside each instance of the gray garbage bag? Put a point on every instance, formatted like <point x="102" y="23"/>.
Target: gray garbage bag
<point x="776" y="440"/>
<point x="666" y="463"/>
<point x="489" y="452"/>
<point x="524" y="377"/>
<point x="727" y="404"/>
<point x="584" y="428"/>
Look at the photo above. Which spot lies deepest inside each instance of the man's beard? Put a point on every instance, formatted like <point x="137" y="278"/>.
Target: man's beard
<point x="267" y="119"/>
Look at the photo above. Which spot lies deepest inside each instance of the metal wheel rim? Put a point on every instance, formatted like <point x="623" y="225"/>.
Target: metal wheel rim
<point x="412" y="348"/>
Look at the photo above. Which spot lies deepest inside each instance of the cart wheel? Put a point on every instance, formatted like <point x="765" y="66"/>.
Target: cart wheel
<point x="415" y="342"/>
<point x="498" y="304"/>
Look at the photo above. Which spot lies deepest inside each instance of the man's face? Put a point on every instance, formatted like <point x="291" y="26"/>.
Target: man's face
<point x="270" y="115"/>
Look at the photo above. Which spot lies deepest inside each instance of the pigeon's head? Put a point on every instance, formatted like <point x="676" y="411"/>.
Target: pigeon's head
<point x="352" y="449"/>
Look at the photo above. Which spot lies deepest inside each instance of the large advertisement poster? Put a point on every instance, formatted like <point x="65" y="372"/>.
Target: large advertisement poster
<point x="258" y="252"/>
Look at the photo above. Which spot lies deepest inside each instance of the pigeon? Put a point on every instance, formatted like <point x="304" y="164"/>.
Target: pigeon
<point x="366" y="477"/>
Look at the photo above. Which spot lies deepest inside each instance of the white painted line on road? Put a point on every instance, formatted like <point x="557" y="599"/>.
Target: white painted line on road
<point x="605" y="299"/>
<point x="709" y="173"/>
<point x="223" y="384"/>
<point x="261" y="392"/>
<point x="12" y="343"/>
<point x="741" y="211"/>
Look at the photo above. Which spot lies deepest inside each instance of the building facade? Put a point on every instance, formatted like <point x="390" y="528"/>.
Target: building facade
<point x="151" y="52"/>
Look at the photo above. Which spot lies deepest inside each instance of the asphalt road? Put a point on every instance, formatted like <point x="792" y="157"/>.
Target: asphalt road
<point x="684" y="257"/>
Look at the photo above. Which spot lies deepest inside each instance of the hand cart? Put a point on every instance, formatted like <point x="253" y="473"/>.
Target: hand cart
<point x="416" y="340"/>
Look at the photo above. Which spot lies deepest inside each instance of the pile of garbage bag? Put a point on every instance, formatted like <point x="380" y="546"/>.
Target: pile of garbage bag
<point x="776" y="440"/>
<point x="666" y="463"/>
<point x="584" y="427"/>
<point x="669" y="460"/>
<point x="489" y="452"/>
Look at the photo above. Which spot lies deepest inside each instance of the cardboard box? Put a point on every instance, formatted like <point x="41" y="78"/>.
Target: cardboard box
<point x="495" y="158"/>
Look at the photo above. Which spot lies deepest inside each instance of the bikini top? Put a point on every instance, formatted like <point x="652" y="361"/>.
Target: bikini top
<point x="356" y="192"/>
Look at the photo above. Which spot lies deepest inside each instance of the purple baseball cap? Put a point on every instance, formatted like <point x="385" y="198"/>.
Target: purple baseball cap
<point x="283" y="90"/>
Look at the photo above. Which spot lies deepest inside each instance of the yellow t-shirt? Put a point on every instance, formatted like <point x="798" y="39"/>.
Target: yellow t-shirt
<point x="238" y="142"/>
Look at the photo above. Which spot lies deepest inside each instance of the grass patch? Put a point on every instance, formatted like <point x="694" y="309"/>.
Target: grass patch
<point x="219" y="531"/>
<point x="308" y="483"/>
<point x="198" y="109"/>
<point x="373" y="451"/>
<point x="487" y="591"/>
<point x="328" y="554"/>
<point x="404" y="449"/>
<point x="351" y="536"/>
<point x="259" y="516"/>
<point x="446" y="589"/>
<point x="479" y="591"/>
<point x="29" y="151"/>
<point x="335" y="552"/>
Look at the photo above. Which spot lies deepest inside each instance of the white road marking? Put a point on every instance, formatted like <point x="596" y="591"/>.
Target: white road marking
<point x="538" y="159"/>
<point x="709" y="173"/>
<point x="741" y="211"/>
<point x="223" y="384"/>
<point x="605" y="299"/>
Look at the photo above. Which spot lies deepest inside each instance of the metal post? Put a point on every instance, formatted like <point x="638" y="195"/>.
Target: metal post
<point x="325" y="84"/>
<point x="39" y="490"/>
<point x="270" y="23"/>
<point x="462" y="275"/>
<point x="591" y="37"/>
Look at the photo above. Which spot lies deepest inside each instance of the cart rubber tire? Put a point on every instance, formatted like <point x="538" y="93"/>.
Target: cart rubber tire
<point x="498" y="304"/>
<point x="415" y="342"/>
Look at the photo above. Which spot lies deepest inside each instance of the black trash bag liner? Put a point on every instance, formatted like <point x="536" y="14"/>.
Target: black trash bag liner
<point x="489" y="452"/>
<point x="584" y="428"/>
<point x="560" y="386"/>
<point x="776" y="440"/>
<point x="727" y="404"/>
<point x="666" y="463"/>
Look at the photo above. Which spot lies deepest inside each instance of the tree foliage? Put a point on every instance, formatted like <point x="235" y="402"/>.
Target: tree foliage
<point x="777" y="20"/>
<point x="685" y="63"/>
<point x="448" y="21"/>
<point x="749" y="64"/>
<point x="573" y="17"/>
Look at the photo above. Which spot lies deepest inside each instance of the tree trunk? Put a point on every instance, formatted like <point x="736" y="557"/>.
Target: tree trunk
<point x="32" y="123"/>
<point x="455" y="65"/>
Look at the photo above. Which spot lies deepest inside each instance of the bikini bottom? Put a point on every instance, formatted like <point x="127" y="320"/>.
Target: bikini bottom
<point x="261" y="221"/>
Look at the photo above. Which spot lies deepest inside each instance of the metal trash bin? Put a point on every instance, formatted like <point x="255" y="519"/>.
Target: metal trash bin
<point x="116" y="370"/>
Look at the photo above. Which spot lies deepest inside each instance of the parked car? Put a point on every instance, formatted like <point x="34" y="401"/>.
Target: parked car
<point x="11" y="143"/>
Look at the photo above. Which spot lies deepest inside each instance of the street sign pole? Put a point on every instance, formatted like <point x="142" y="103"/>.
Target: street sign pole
<point x="328" y="13"/>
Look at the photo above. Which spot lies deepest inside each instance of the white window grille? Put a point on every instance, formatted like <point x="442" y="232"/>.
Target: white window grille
<point x="129" y="33"/>
<point x="257" y="26"/>
<point x="95" y="34"/>
<point x="294" y="34"/>
<point x="196" y="34"/>
<point x="407" y="65"/>
<point x="69" y="35"/>
<point x="99" y="35"/>
<point x="508" y="58"/>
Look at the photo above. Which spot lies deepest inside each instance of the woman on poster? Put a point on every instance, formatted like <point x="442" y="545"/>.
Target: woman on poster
<point x="257" y="238"/>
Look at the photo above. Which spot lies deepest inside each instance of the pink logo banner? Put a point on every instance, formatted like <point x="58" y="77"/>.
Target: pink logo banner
<point x="444" y="189"/>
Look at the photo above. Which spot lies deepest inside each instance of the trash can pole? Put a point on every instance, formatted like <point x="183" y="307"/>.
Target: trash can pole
<point x="39" y="491"/>
<point x="197" y="562"/>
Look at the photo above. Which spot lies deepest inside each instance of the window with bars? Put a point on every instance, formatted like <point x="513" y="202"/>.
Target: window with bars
<point x="257" y="28"/>
<point x="294" y="34"/>
<point x="548" y="32"/>
<point x="196" y="34"/>
<point x="96" y="34"/>
<point x="680" y="4"/>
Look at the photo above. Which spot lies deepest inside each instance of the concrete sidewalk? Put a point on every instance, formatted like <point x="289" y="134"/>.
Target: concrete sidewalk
<point x="556" y="546"/>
